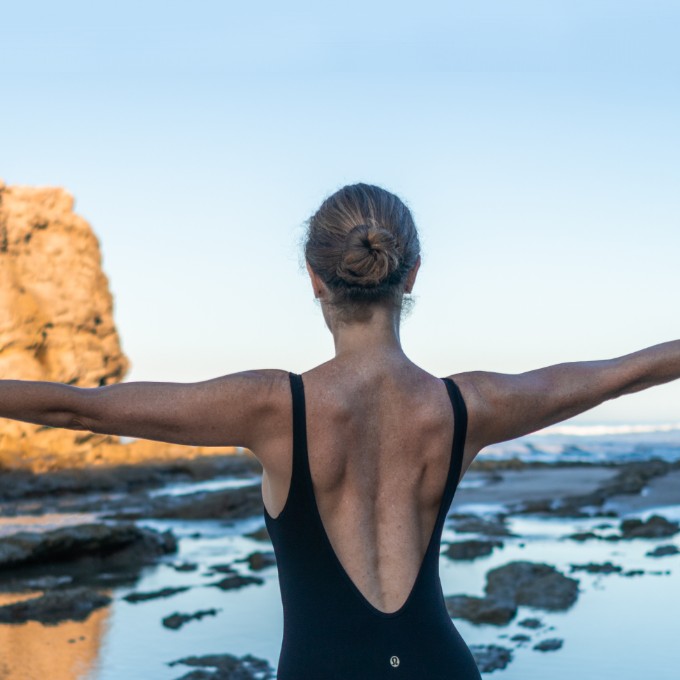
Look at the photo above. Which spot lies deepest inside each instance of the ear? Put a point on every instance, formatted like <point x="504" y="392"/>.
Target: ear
<point x="411" y="276"/>
<point x="318" y="285"/>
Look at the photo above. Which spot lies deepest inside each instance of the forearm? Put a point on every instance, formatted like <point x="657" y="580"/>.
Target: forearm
<point x="40" y="402"/>
<point x="651" y="366"/>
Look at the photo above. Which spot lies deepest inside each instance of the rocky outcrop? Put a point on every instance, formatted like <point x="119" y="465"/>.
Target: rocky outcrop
<point x="73" y="604"/>
<point x="530" y="584"/>
<point x="129" y="543"/>
<point x="56" y="324"/>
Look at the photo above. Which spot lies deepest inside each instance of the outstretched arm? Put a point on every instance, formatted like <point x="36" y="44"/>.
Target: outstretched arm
<point x="228" y="411"/>
<point x="506" y="406"/>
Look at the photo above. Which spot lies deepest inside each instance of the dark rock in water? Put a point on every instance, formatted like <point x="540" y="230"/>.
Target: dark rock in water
<point x="550" y="645"/>
<point x="634" y="572"/>
<point x="227" y="667"/>
<point x="594" y="568"/>
<point x="473" y="524"/>
<point x="470" y="550"/>
<point x="531" y="623"/>
<point x="260" y="534"/>
<point x="516" y="583"/>
<point x="491" y="658"/>
<point x="221" y="569"/>
<point x="259" y="560"/>
<point x="177" y="620"/>
<point x="69" y="604"/>
<point x="663" y="551"/>
<point x="480" y="609"/>
<point x="521" y="637"/>
<point x="582" y="536"/>
<point x="237" y="581"/>
<point x="92" y="542"/>
<point x="185" y="566"/>
<point x="237" y="503"/>
<point x="155" y="595"/>
<point x="655" y="527"/>
<point x="532" y="584"/>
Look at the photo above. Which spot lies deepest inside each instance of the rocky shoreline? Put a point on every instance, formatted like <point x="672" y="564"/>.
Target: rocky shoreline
<point x="59" y="567"/>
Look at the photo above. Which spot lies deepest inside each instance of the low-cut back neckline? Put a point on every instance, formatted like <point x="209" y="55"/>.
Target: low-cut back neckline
<point x="449" y="489"/>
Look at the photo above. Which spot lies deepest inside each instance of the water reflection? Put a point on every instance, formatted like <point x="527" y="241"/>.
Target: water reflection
<point x="66" y="651"/>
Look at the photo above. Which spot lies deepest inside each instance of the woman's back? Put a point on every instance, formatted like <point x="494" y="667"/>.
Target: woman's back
<point x="379" y="440"/>
<point x="375" y="457"/>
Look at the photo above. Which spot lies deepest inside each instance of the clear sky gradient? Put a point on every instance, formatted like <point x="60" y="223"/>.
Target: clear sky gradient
<point x="537" y="144"/>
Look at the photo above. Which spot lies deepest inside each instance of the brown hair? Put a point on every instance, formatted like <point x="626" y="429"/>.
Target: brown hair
<point x="362" y="242"/>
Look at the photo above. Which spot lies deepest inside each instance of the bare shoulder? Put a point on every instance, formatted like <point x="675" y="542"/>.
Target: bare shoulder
<point x="470" y="384"/>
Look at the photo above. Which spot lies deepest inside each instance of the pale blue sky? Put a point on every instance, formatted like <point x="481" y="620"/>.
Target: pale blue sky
<point x="537" y="144"/>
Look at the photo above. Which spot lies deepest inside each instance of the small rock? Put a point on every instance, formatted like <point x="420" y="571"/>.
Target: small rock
<point x="663" y="551"/>
<point x="480" y="609"/>
<point x="634" y="572"/>
<point x="549" y="645"/>
<point x="473" y="524"/>
<point x="521" y="637"/>
<point x="582" y="536"/>
<point x="227" y="667"/>
<point x="594" y="568"/>
<point x="177" y="620"/>
<point x="156" y="594"/>
<point x="259" y="560"/>
<point x="491" y="658"/>
<point x="532" y="584"/>
<point x="222" y="569"/>
<point x="470" y="550"/>
<point x="185" y="566"/>
<point x="237" y="581"/>
<point x="655" y="527"/>
<point x="531" y="623"/>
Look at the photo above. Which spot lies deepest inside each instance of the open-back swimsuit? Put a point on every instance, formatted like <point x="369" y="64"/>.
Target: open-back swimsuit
<point x="330" y="630"/>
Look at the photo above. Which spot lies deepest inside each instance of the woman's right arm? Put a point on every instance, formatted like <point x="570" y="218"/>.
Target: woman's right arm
<point x="505" y="406"/>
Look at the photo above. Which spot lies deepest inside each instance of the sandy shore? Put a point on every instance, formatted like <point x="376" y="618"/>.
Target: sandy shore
<point x="531" y="484"/>
<point x="623" y="486"/>
<point x="661" y="491"/>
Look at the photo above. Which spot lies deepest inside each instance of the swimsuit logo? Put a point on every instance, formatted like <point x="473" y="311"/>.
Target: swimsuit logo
<point x="394" y="661"/>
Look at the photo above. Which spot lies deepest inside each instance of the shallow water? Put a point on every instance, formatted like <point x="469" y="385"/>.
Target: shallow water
<point x="620" y="627"/>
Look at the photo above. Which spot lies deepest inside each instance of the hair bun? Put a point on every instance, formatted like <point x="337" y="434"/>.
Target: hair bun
<point x="369" y="257"/>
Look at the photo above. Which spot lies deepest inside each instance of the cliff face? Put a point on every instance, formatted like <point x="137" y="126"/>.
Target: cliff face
<point x="56" y="319"/>
<point x="56" y="311"/>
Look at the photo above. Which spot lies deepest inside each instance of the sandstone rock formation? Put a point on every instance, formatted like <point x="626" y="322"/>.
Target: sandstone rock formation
<point x="56" y="324"/>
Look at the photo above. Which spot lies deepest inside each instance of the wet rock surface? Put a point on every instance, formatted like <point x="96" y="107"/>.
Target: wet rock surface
<point x="226" y="667"/>
<point x="470" y="550"/>
<point x="517" y="583"/>
<point x="235" y="581"/>
<point x="125" y="543"/>
<point x="655" y="526"/>
<point x="663" y="551"/>
<point x="466" y="523"/>
<point x="549" y="645"/>
<point x="133" y="598"/>
<point x="259" y="560"/>
<point x="238" y="503"/>
<point x="177" y="620"/>
<point x="491" y="658"/>
<point x="74" y="604"/>
<point x="481" y="609"/>
<point x="594" y="568"/>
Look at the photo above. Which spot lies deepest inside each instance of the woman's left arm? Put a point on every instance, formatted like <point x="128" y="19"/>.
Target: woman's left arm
<point x="225" y="411"/>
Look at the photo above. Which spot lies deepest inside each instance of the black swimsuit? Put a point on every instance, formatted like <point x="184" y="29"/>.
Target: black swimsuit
<point x="330" y="630"/>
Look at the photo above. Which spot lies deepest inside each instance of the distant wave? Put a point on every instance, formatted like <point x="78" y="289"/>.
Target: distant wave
<point x="604" y="430"/>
